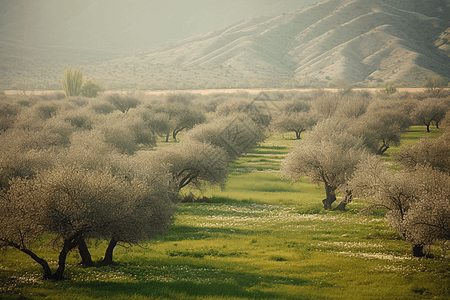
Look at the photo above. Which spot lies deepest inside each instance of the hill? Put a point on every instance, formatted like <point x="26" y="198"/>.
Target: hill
<point x="362" y="41"/>
<point x="359" y="40"/>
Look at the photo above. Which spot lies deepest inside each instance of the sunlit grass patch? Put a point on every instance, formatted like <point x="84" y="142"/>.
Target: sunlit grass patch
<point x="270" y="188"/>
<point x="410" y="138"/>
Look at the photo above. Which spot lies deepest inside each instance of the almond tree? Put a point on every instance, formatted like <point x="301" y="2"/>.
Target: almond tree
<point x="191" y="162"/>
<point x="66" y="202"/>
<point x="416" y="199"/>
<point x="236" y="133"/>
<point x="73" y="203"/>
<point x="187" y="118"/>
<point x="381" y="128"/>
<point x="430" y="110"/>
<point x="180" y="117"/>
<point x="428" y="220"/>
<point x="126" y="132"/>
<point x="353" y="106"/>
<point x="435" y="85"/>
<point x="255" y="110"/>
<point x="434" y="153"/>
<point x="297" y="122"/>
<point x="150" y="204"/>
<point x="8" y="114"/>
<point x="325" y="105"/>
<point x="18" y="159"/>
<point x="326" y="155"/>
<point x="159" y="123"/>
<point x="123" y="102"/>
<point x="89" y="191"/>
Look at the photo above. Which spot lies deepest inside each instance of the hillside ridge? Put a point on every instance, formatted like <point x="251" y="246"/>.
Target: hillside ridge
<point x="366" y="42"/>
<point x="362" y="41"/>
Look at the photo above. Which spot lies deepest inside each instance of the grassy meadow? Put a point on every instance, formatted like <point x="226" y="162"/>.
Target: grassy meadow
<point x="261" y="237"/>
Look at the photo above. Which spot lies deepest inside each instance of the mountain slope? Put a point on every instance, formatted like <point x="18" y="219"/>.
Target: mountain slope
<point x="360" y="40"/>
<point x="363" y="41"/>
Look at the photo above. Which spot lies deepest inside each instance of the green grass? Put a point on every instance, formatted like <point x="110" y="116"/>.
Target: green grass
<point x="411" y="137"/>
<point x="261" y="237"/>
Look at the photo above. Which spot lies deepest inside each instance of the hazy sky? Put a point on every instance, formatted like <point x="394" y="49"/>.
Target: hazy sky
<point x="119" y="25"/>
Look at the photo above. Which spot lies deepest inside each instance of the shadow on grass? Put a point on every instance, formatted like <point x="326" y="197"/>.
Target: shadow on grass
<point x="192" y="282"/>
<point x="182" y="232"/>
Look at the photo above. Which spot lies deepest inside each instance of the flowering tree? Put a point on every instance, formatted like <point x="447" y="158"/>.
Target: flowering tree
<point x="325" y="105"/>
<point x="416" y="199"/>
<point x="353" y="106"/>
<point x="428" y="152"/>
<point x="122" y="102"/>
<point x="255" y="110"/>
<point x="191" y="162"/>
<point x="326" y="155"/>
<point x="430" y="110"/>
<point x="236" y="133"/>
<point x="297" y="122"/>
<point x="381" y="128"/>
<point x="89" y="191"/>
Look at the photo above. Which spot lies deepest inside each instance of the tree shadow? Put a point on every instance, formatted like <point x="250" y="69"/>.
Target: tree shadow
<point x="202" y="282"/>
<point x="182" y="232"/>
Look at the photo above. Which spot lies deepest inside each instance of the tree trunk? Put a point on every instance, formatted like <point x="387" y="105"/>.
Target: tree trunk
<point x="86" y="259"/>
<point x="167" y="138"/>
<point x="108" y="260"/>
<point x="331" y="197"/>
<point x="382" y="149"/>
<point x="347" y="199"/>
<point x="41" y="261"/>
<point x="297" y="134"/>
<point x="418" y="251"/>
<point x="428" y="127"/>
<point x="69" y="244"/>
<point x="176" y="131"/>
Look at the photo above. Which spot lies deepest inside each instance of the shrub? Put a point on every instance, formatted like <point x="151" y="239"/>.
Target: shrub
<point x="390" y="89"/>
<point x="90" y="88"/>
<point x="53" y="96"/>
<point x="8" y="114"/>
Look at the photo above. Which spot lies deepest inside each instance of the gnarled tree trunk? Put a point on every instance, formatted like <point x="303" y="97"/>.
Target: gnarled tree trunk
<point x="383" y="148"/>
<point x="331" y="197"/>
<point x="40" y="261"/>
<point x="69" y="244"/>
<point x="418" y="251"/>
<point x="347" y="199"/>
<point x="108" y="259"/>
<point x="86" y="259"/>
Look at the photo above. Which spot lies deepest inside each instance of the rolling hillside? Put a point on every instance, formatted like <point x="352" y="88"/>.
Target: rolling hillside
<point x="359" y="40"/>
